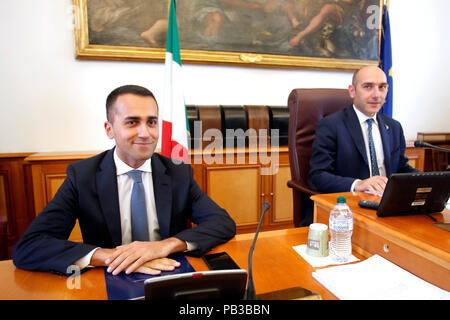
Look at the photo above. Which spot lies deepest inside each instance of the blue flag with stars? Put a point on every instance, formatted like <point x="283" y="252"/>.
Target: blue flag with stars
<point x="386" y="60"/>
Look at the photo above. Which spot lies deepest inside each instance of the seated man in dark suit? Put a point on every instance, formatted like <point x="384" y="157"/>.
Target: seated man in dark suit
<point x="357" y="148"/>
<point x="128" y="223"/>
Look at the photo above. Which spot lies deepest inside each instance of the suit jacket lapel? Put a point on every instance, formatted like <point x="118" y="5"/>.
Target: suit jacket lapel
<point x="109" y="198"/>
<point x="162" y="188"/>
<point x="354" y="128"/>
<point x="385" y="133"/>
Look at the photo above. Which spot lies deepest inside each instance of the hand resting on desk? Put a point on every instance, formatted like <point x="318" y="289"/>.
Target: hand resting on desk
<point x="375" y="184"/>
<point x="138" y="256"/>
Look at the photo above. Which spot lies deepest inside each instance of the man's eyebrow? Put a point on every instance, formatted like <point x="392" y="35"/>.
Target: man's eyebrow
<point x="138" y="118"/>
<point x="376" y="83"/>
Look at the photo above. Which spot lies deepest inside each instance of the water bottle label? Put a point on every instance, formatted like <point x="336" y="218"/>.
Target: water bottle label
<point x="339" y="225"/>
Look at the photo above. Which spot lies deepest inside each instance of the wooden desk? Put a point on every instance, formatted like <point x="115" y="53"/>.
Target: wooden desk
<point x="276" y="266"/>
<point x="411" y="242"/>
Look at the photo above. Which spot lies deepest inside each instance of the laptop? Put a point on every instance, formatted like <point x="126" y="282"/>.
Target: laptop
<point x="415" y="193"/>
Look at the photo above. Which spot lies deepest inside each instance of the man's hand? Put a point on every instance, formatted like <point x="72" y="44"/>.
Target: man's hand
<point x="374" y="184"/>
<point x="155" y="267"/>
<point x="99" y="257"/>
<point x="131" y="257"/>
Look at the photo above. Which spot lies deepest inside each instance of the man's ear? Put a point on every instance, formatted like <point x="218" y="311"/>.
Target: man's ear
<point x="109" y="130"/>
<point x="351" y="91"/>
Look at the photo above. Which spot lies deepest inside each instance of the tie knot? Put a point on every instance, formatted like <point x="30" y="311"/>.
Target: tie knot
<point x="136" y="175"/>
<point x="370" y="122"/>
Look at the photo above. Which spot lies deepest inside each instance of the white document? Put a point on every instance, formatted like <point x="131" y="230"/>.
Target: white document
<point x="377" y="279"/>
<point x="318" y="262"/>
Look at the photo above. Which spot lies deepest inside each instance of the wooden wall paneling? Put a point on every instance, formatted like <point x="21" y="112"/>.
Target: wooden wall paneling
<point x="4" y="194"/>
<point x="48" y="171"/>
<point x="283" y="202"/>
<point x="47" y="178"/>
<point x="14" y="200"/>
<point x="266" y="195"/>
<point x="279" y="194"/>
<point x="416" y="157"/>
<point x="440" y="159"/>
<point x="198" y="175"/>
<point x="438" y="138"/>
<point x="5" y="211"/>
<point x="238" y="190"/>
<point x="436" y="160"/>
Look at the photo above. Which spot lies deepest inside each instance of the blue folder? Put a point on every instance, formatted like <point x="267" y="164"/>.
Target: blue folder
<point x="131" y="286"/>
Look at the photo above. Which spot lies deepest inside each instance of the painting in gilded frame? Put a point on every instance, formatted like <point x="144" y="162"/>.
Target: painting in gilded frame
<point x="330" y="34"/>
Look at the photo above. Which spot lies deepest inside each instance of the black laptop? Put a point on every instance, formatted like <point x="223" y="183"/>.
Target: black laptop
<point x="415" y="193"/>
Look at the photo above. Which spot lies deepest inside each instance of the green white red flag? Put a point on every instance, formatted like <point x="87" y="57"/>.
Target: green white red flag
<point x="174" y="141"/>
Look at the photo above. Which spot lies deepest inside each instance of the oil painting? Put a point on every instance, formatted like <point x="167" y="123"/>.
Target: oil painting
<point x="334" y="34"/>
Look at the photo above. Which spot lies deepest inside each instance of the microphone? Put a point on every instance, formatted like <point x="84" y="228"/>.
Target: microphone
<point x="294" y="293"/>
<point x="423" y="144"/>
<point x="250" y="292"/>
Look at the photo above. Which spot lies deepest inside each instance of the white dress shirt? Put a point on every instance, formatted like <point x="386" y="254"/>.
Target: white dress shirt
<point x="125" y="186"/>
<point x="378" y="143"/>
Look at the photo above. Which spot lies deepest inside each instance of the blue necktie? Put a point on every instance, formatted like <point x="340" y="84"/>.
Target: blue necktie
<point x="139" y="224"/>
<point x="373" y="155"/>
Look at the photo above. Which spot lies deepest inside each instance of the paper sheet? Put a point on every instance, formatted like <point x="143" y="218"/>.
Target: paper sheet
<point x="317" y="262"/>
<point x="377" y="279"/>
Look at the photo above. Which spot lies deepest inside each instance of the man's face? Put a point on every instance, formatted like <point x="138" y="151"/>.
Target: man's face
<point x="369" y="90"/>
<point x="134" y="127"/>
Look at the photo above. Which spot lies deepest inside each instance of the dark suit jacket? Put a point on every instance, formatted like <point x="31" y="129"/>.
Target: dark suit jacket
<point x="90" y="194"/>
<point x="339" y="154"/>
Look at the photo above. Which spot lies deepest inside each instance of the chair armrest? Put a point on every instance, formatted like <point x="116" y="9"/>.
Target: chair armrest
<point x="301" y="187"/>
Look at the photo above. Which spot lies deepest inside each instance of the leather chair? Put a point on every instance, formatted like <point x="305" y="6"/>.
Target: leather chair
<point x="306" y="108"/>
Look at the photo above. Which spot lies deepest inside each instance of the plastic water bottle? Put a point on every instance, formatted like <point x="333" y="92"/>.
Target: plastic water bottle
<point x="341" y="229"/>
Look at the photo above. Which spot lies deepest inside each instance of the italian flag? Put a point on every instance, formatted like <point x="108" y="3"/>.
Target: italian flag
<point x="174" y="142"/>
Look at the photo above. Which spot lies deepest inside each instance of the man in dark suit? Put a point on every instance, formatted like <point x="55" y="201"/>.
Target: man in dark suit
<point x="98" y="192"/>
<point x="353" y="153"/>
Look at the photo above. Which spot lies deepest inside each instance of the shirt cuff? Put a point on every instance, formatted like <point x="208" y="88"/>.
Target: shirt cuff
<point x="352" y="188"/>
<point x="191" y="246"/>
<point x="85" y="261"/>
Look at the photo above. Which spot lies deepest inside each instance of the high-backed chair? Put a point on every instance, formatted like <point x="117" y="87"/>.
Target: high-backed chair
<point x="306" y="108"/>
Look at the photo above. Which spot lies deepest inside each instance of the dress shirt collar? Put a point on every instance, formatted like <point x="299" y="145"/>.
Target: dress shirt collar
<point x="363" y="118"/>
<point x="122" y="167"/>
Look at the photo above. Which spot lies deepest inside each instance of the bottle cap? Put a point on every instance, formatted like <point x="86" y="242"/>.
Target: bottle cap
<point x="341" y="200"/>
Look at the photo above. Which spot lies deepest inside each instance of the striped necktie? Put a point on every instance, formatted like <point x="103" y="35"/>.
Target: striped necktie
<point x="139" y="224"/>
<point x="373" y="155"/>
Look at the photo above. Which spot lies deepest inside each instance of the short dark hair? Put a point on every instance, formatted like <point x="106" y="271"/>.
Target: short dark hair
<point x="129" y="88"/>
<point x="355" y="75"/>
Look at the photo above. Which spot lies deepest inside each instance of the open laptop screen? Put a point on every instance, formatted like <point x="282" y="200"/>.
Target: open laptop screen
<point x="415" y="193"/>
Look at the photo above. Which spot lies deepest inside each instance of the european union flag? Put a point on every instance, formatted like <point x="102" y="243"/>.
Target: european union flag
<point x="386" y="59"/>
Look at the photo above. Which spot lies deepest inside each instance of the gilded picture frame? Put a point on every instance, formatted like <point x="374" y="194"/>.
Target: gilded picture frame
<point x="309" y="34"/>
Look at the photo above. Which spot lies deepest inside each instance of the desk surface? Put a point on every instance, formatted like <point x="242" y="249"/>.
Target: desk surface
<point x="413" y="242"/>
<point x="276" y="266"/>
<point x="418" y="227"/>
